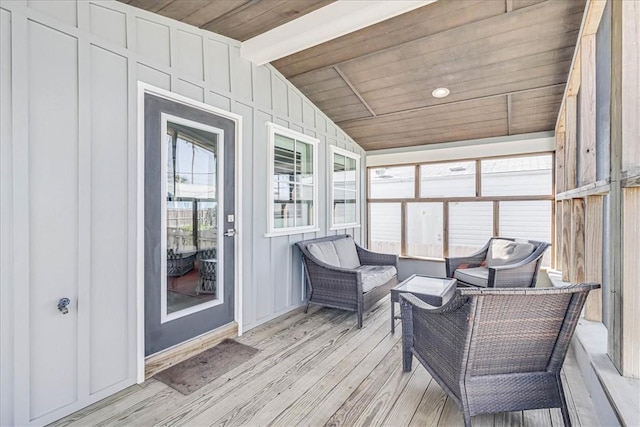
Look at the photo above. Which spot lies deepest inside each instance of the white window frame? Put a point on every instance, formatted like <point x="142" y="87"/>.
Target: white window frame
<point x="273" y="130"/>
<point x="333" y="150"/>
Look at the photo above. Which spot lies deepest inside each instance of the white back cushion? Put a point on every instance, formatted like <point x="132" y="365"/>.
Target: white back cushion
<point x="347" y="253"/>
<point x="325" y="252"/>
<point x="503" y="252"/>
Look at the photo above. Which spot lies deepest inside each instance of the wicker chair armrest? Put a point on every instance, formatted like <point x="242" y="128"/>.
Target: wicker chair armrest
<point x="450" y="306"/>
<point x="582" y="287"/>
<point x="437" y="336"/>
<point x="375" y="258"/>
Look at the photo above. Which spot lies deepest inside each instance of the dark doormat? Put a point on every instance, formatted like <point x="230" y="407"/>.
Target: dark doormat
<point x="191" y="374"/>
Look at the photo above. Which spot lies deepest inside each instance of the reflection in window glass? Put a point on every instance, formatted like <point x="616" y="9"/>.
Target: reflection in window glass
<point x="293" y="183"/>
<point x="392" y="183"/>
<point x="425" y="230"/>
<point x="517" y="176"/>
<point x="470" y="226"/>
<point x="530" y="220"/>
<point x="385" y="227"/>
<point x="191" y="216"/>
<point x="455" y="179"/>
<point x="345" y="189"/>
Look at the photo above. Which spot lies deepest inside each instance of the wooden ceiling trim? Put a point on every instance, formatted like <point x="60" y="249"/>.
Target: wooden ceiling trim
<point x="314" y="78"/>
<point x="355" y="91"/>
<point x="428" y="20"/>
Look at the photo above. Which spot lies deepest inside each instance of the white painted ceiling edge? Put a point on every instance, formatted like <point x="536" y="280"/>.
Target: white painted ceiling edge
<point x="538" y="142"/>
<point x="324" y="24"/>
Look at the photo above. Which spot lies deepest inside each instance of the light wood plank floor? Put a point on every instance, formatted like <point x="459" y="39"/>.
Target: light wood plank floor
<point x="318" y="369"/>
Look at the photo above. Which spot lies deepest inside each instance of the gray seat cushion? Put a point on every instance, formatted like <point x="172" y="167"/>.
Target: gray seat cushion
<point x="347" y="253"/>
<point x="325" y="252"/>
<point x="478" y="276"/>
<point x="376" y="275"/>
<point x="504" y="252"/>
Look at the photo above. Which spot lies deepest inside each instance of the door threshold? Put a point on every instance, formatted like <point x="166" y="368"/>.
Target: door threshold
<point x="178" y="353"/>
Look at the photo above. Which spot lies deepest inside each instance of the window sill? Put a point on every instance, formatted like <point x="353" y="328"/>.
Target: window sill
<point x="418" y="258"/>
<point x="615" y="397"/>
<point x="289" y="232"/>
<point x="344" y="227"/>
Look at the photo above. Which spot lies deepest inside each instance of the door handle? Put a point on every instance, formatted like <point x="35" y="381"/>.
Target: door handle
<point x="62" y="305"/>
<point x="230" y="232"/>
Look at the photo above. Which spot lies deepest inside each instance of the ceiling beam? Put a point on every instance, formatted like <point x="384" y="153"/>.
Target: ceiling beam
<point x="327" y="23"/>
<point x="354" y="90"/>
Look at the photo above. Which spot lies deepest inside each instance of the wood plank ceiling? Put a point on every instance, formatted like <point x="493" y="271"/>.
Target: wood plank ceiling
<point x="506" y="63"/>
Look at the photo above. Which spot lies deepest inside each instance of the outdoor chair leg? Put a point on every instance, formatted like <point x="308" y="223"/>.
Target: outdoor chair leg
<point x="306" y="308"/>
<point x="563" y="406"/>
<point x="359" y="319"/>
<point x="467" y="418"/>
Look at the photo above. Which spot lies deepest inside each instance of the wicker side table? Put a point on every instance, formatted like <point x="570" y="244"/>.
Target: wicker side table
<point x="432" y="290"/>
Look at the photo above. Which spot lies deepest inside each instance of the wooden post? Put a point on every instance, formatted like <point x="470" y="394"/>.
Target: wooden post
<point x="566" y="240"/>
<point x="560" y="138"/>
<point x="558" y="236"/>
<point x="570" y="144"/>
<point x="576" y="274"/>
<point x="587" y="152"/>
<point x="630" y="276"/>
<point x="593" y="255"/>
<point x="624" y="333"/>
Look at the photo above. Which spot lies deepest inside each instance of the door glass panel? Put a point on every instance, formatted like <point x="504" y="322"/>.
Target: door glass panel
<point x="425" y="225"/>
<point x="470" y="227"/>
<point x="191" y="217"/>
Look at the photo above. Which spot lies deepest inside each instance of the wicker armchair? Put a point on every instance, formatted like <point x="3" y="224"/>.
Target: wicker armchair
<point x="353" y="286"/>
<point x="478" y="269"/>
<point x="495" y="350"/>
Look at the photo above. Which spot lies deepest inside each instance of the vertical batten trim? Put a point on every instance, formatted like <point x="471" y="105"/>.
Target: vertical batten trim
<point x="21" y="232"/>
<point x="84" y="201"/>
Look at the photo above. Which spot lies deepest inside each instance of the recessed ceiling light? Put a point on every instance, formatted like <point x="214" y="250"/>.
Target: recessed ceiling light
<point x="440" y="92"/>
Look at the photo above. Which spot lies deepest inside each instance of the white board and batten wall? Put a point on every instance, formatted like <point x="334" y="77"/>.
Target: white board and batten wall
<point x="69" y="87"/>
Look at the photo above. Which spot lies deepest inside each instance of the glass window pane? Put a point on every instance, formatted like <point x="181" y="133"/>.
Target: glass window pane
<point x="517" y="176"/>
<point x="455" y="179"/>
<point x="470" y="226"/>
<point x="529" y="220"/>
<point x="284" y="159"/>
<point x="392" y="183"/>
<point x="304" y="205"/>
<point x="385" y="227"/>
<point x="425" y="229"/>
<point x="191" y="216"/>
<point x="304" y="162"/>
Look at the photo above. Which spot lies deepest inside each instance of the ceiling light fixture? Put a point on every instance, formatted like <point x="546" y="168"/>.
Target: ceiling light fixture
<point x="440" y="92"/>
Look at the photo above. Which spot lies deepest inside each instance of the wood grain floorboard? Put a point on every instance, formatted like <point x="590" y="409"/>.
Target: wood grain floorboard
<point x="319" y="369"/>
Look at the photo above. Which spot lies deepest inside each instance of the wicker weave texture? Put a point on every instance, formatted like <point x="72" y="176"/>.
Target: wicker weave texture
<point x="339" y="287"/>
<point x="495" y="350"/>
<point x="522" y="274"/>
